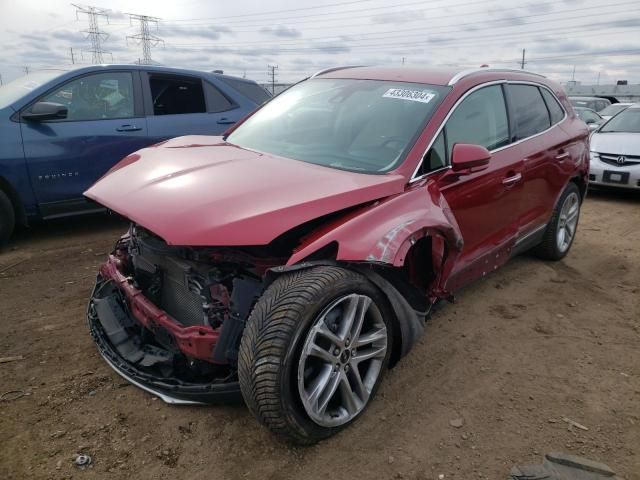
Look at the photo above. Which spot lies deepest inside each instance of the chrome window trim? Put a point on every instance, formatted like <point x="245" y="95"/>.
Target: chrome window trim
<point x="470" y="71"/>
<point x="461" y="99"/>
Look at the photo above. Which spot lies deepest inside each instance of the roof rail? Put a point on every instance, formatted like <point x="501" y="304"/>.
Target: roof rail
<point x="465" y="73"/>
<point x="334" y="69"/>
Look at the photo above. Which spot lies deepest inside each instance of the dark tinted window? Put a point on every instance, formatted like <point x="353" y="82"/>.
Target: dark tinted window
<point x="480" y="119"/>
<point x="249" y="89"/>
<point x="436" y="157"/>
<point x="176" y="95"/>
<point x="530" y="111"/>
<point x="556" y="111"/>
<point x="95" y="97"/>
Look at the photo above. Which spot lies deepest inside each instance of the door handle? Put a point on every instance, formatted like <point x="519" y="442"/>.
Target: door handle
<point x="128" y="128"/>
<point x="562" y="156"/>
<point x="225" y="121"/>
<point x="512" y="180"/>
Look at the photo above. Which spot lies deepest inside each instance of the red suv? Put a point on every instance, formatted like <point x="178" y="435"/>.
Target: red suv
<point x="297" y="257"/>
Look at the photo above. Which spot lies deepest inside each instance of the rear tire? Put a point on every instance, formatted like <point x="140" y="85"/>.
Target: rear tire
<point x="313" y="352"/>
<point x="561" y="231"/>
<point x="7" y="218"/>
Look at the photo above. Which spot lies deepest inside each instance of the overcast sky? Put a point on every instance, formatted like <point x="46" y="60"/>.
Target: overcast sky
<point x="303" y="36"/>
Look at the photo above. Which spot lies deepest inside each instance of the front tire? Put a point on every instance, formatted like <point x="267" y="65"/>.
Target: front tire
<point x="7" y="218"/>
<point x="313" y="352"/>
<point x="562" y="228"/>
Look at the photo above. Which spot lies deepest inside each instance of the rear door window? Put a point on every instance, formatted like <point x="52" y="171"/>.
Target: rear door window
<point x="176" y="95"/>
<point x="555" y="110"/>
<point x="531" y="113"/>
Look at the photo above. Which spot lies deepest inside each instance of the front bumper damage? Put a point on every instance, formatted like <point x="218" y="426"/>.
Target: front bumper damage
<point x="125" y="326"/>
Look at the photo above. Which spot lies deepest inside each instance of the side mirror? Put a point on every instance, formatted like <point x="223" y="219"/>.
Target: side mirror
<point x="590" y="120"/>
<point x="45" y="111"/>
<point x="593" y="126"/>
<point x="467" y="158"/>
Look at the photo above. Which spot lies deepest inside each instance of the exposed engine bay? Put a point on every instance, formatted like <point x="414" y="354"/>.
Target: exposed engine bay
<point x="175" y="313"/>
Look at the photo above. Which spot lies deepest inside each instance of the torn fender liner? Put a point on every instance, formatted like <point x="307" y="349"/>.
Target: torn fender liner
<point x="561" y="466"/>
<point x="142" y="364"/>
<point x="410" y="321"/>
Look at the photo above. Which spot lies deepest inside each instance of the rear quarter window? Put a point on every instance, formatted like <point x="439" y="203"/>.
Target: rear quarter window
<point x="251" y="90"/>
<point x="555" y="110"/>
<point x="531" y="114"/>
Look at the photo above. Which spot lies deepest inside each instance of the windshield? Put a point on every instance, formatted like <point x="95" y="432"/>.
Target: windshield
<point x="627" y="121"/>
<point x="358" y="125"/>
<point x="19" y="87"/>
<point x="611" y="110"/>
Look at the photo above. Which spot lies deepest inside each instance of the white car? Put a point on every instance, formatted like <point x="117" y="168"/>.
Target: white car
<point x="613" y="109"/>
<point x="615" y="151"/>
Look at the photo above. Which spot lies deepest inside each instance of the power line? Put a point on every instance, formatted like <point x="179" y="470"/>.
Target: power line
<point x="418" y="43"/>
<point x="93" y="32"/>
<point x="262" y="14"/>
<point x="144" y="37"/>
<point x="438" y="29"/>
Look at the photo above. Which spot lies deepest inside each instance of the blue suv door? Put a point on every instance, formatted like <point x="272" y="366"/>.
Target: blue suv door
<point x="181" y="104"/>
<point x="105" y="122"/>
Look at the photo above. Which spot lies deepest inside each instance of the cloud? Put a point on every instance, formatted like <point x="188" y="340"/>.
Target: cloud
<point x="402" y="16"/>
<point x="69" y="36"/>
<point x="281" y="31"/>
<point x="210" y="32"/>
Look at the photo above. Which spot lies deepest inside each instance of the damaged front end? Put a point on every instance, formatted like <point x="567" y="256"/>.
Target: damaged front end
<point x="169" y="319"/>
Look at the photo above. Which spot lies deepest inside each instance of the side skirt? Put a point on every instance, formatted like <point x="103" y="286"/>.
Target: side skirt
<point x="529" y="241"/>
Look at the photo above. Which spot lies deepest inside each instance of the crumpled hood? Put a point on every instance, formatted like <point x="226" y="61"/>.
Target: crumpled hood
<point x="199" y="190"/>
<point x="615" y="143"/>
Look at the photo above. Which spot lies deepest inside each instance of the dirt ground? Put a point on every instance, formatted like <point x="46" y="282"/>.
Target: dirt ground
<point x="519" y="351"/>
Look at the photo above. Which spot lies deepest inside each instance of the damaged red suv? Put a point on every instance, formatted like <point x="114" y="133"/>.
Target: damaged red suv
<point x="295" y="259"/>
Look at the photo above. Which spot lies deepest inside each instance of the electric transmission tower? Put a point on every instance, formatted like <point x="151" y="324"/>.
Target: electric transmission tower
<point x="93" y="32"/>
<point x="144" y="37"/>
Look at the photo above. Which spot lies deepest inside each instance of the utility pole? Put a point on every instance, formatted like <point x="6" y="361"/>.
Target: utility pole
<point x="598" y="82"/>
<point x="73" y="59"/>
<point x="402" y="60"/>
<point x="573" y="75"/>
<point x="272" y="74"/>
<point x="144" y="37"/>
<point x="93" y="32"/>
<point x="26" y="70"/>
<point x="522" y="64"/>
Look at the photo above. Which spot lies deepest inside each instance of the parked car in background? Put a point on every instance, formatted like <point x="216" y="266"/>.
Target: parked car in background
<point x="588" y="116"/>
<point x="380" y="191"/>
<point x="615" y="151"/>
<point x="613" y="109"/>
<point x="594" y="103"/>
<point x="62" y="129"/>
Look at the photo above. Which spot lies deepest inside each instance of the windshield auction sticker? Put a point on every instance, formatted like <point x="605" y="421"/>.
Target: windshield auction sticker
<point x="423" y="96"/>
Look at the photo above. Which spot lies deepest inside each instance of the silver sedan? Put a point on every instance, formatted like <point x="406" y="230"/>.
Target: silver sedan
<point x="615" y="151"/>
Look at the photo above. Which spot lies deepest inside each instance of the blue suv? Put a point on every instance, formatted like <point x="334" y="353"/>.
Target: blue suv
<point x="61" y="130"/>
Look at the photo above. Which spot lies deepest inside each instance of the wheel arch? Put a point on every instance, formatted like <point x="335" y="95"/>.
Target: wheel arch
<point x="18" y="208"/>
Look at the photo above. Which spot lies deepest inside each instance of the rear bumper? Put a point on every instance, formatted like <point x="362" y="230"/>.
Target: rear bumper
<point x="109" y="324"/>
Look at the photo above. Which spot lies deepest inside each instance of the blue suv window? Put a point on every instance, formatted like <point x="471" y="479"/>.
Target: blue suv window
<point x="95" y="97"/>
<point x="173" y="95"/>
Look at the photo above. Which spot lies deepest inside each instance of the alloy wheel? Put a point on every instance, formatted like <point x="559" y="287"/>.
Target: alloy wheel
<point x="568" y="221"/>
<point x="341" y="360"/>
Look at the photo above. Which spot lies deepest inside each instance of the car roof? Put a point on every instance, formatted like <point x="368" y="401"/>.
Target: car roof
<point x="129" y="66"/>
<point x="578" y="97"/>
<point x="427" y="75"/>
